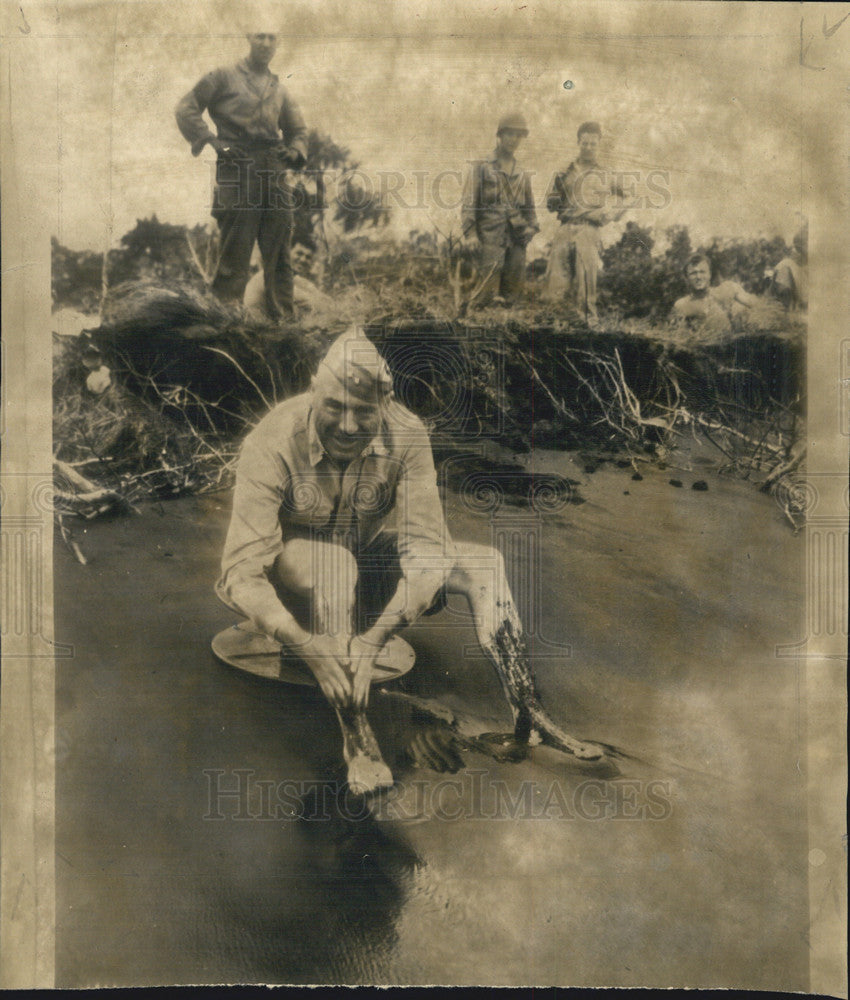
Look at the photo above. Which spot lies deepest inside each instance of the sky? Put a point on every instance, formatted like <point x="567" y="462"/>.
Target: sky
<point x="707" y="96"/>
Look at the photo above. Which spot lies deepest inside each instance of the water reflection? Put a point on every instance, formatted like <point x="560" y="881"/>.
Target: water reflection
<point x="322" y="905"/>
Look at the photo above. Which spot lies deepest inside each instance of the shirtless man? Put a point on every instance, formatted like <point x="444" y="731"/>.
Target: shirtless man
<point x="705" y="307"/>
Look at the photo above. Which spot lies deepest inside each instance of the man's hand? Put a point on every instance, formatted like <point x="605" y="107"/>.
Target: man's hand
<point x="363" y="655"/>
<point x="290" y="158"/>
<point x="469" y="241"/>
<point x="224" y="148"/>
<point x="438" y="748"/>
<point x="328" y="658"/>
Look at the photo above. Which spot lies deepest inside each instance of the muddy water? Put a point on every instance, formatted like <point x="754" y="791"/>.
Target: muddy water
<point x="656" y="613"/>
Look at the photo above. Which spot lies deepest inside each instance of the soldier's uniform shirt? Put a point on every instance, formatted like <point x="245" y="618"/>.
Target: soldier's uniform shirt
<point x="287" y="486"/>
<point x="576" y="191"/>
<point x="245" y="107"/>
<point x="493" y="197"/>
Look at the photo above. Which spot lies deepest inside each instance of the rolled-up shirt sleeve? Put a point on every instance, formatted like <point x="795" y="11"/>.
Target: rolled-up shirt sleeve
<point x="190" y="111"/>
<point x="254" y="539"/>
<point x="291" y="123"/>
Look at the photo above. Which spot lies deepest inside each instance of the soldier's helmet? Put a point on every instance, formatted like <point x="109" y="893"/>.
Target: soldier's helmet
<point x="514" y="120"/>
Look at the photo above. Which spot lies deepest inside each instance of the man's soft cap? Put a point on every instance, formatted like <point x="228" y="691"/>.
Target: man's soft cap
<point x="354" y="361"/>
<point x="259" y="18"/>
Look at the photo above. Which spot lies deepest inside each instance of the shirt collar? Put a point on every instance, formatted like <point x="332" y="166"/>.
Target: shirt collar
<point x="316" y="451"/>
<point x="246" y="69"/>
<point x="494" y="159"/>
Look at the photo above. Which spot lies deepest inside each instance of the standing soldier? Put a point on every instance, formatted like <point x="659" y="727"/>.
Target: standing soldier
<point x="261" y="135"/>
<point x="578" y="196"/>
<point x="498" y="216"/>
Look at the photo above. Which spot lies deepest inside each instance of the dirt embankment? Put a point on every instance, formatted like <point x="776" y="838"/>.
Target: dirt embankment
<point x="186" y="376"/>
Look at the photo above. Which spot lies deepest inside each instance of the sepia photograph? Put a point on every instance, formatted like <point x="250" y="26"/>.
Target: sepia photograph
<point x="424" y="494"/>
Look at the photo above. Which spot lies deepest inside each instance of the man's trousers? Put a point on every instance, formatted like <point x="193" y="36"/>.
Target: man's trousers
<point x="501" y="268"/>
<point x="253" y="204"/>
<point x="574" y="264"/>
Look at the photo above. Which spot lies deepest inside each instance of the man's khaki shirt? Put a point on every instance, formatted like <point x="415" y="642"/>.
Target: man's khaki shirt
<point x="245" y="108"/>
<point x="579" y="190"/>
<point x="498" y="205"/>
<point x="287" y="486"/>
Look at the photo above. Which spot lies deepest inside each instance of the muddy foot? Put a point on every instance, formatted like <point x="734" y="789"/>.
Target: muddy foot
<point x="365" y="774"/>
<point x="545" y="731"/>
<point x="556" y="738"/>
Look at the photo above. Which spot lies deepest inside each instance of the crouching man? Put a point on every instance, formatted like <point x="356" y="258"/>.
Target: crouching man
<point x="337" y="540"/>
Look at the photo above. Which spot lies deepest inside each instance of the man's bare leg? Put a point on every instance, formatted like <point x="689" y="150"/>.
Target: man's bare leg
<point x="327" y="574"/>
<point x="479" y="574"/>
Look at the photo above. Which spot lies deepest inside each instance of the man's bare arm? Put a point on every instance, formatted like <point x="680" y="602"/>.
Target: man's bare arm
<point x="744" y="298"/>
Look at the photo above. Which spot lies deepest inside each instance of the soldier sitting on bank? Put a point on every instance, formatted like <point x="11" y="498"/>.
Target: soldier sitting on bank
<point x="708" y="308"/>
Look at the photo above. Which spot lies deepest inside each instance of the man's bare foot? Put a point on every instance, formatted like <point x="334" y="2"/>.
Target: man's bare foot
<point x="365" y="774"/>
<point x="544" y="730"/>
<point x="367" y="771"/>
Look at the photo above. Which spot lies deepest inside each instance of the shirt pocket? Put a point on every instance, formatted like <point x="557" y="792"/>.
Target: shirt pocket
<point x="303" y="503"/>
<point x="372" y="499"/>
<point x="373" y="495"/>
<point x="489" y="187"/>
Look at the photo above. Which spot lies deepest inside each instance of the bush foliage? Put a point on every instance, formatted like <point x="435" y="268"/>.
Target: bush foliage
<point x="637" y="283"/>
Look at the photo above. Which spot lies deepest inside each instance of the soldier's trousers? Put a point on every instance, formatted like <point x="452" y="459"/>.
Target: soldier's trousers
<point x="253" y="204"/>
<point x="502" y="270"/>
<point x="574" y="265"/>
